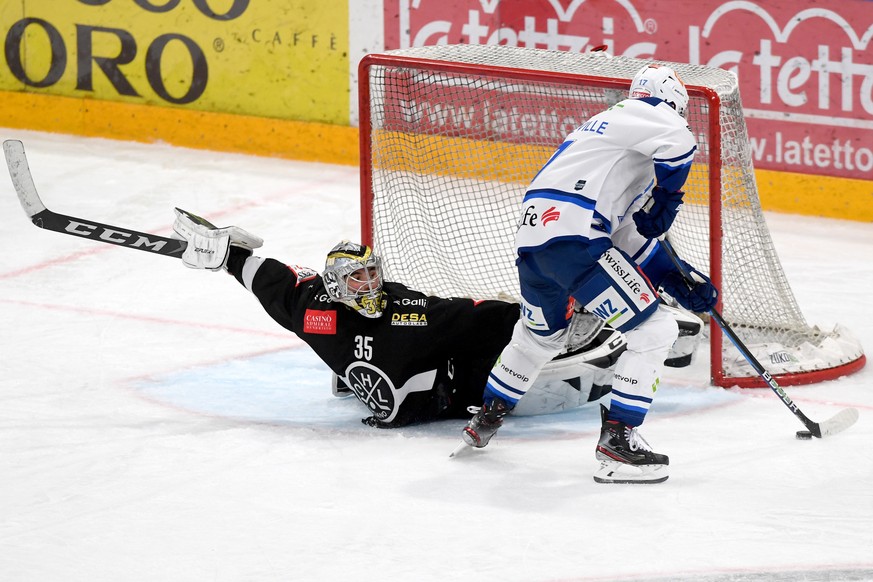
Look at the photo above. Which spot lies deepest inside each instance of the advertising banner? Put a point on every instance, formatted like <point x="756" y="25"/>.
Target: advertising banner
<point x="805" y="67"/>
<point x="285" y="59"/>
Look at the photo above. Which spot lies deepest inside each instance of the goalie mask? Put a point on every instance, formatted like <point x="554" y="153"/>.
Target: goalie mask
<point x="353" y="276"/>
<point x="661" y="82"/>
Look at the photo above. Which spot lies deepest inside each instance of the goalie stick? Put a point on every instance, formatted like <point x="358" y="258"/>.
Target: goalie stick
<point x="837" y="423"/>
<point x="19" y="171"/>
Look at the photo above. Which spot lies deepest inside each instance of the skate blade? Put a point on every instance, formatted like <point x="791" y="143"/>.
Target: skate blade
<point x="622" y="473"/>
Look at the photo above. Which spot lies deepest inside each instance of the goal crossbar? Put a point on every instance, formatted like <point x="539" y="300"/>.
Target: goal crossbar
<point x="451" y="135"/>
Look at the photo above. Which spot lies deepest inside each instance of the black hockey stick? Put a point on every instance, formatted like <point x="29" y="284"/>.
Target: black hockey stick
<point x="837" y="423"/>
<point x="42" y="217"/>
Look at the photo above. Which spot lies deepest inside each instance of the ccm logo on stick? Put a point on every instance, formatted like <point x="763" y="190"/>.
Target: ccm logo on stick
<point x="111" y="235"/>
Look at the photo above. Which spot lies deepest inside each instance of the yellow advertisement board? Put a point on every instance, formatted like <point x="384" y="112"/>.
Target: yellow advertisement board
<point x="282" y="59"/>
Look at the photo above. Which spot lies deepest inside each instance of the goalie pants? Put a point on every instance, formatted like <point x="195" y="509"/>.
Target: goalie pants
<point x="608" y="283"/>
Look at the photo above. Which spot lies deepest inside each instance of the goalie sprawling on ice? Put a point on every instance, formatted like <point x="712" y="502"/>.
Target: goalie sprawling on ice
<point x="407" y="356"/>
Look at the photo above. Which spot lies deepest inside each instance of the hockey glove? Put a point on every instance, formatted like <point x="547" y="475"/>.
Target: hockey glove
<point x="663" y="207"/>
<point x="699" y="296"/>
<point x="208" y="246"/>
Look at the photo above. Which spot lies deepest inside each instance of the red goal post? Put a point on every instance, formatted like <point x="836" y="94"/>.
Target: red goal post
<point x="451" y="135"/>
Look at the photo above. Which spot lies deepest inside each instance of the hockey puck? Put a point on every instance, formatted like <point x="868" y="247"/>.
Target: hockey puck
<point x="803" y="435"/>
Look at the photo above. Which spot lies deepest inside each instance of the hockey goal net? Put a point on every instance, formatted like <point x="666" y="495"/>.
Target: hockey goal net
<point x="452" y="135"/>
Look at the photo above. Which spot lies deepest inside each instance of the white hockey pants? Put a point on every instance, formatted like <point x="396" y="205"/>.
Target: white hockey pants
<point x="521" y="362"/>
<point x="638" y="370"/>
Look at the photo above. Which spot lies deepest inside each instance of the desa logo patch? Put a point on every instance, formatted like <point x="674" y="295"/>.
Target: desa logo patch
<point x="409" y="319"/>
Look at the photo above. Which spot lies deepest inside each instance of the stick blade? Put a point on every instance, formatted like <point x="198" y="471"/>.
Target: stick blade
<point x="463" y="446"/>
<point x="838" y="422"/>
<point x="19" y="171"/>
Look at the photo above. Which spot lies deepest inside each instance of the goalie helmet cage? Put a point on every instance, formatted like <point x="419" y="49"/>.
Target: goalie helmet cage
<point x="451" y="135"/>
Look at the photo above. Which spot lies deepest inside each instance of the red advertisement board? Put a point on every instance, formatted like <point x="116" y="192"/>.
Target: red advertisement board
<point x="805" y="67"/>
<point x="481" y="113"/>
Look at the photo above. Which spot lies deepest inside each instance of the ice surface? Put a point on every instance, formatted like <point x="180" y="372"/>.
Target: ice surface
<point x="157" y="425"/>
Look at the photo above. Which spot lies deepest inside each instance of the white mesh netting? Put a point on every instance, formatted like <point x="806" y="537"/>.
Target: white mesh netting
<point x="453" y="134"/>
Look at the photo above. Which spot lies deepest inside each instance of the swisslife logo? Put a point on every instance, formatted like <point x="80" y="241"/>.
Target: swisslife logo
<point x="532" y="218"/>
<point x="550" y="215"/>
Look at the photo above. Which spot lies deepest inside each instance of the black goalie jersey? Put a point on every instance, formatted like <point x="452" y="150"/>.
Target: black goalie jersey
<point x="425" y="358"/>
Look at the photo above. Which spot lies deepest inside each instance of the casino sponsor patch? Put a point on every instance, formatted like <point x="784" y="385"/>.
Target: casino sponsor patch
<point x="319" y="322"/>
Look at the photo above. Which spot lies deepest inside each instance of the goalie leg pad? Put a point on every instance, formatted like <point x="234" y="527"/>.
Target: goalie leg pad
<point x="583" y="328"/>
<point x="690" y="333"/>
<point x="574" y="378"/>
<point x="339" y="387"/>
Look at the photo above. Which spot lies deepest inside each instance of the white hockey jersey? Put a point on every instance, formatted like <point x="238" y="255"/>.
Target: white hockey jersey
<point x="603" y="173"/>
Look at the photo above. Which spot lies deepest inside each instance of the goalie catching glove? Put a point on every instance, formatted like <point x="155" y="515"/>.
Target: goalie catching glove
<point x="209" y="246"/>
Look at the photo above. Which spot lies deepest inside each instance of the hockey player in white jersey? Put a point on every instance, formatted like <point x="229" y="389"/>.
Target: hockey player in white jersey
<point x="588" y="233"/>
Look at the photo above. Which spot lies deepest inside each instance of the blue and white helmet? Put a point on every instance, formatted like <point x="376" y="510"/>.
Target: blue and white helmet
<point x="353" y="276"/>
<point x="662" y="82"/>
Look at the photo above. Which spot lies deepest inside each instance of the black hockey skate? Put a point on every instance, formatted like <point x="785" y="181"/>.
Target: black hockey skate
<point x="485" y="423"/>
<point x="625" y="456"/>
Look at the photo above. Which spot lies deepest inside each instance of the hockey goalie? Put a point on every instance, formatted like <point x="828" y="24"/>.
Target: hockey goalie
<point x="408" y="357"/>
